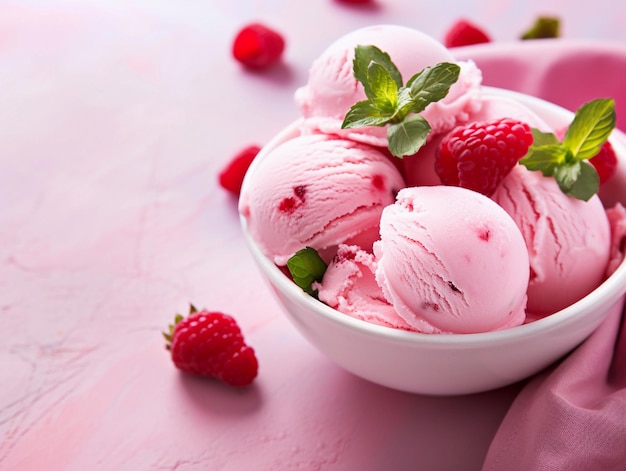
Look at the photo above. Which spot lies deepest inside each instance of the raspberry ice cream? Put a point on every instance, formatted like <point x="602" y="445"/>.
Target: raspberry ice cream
<point x="317" y="191"/>
<point x="332" y="89"/>
<point x="568" y="239"/>
<point x="434" y="258"/>
<point x="451" y="260"/>
<point x="349" y="285"/>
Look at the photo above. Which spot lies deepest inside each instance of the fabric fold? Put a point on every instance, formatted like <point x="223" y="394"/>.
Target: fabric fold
<point x="572" y="416"/>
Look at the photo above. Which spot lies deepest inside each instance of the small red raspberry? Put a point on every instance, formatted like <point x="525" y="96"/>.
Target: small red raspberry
<point x="257" y="46"/>
<point x="605" y="162"/>
<point x="231" y="176"/>
<point x="354" y="1"/>
<point x="464" y="33"/>
<point x="479" y="155"/>
<point x="211" y="344"/>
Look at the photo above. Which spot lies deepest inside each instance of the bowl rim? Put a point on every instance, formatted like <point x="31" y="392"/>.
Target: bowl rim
<point x="608" y="292"/>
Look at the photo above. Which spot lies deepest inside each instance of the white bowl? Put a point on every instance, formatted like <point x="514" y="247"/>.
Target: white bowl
<point x="444" y="364"/>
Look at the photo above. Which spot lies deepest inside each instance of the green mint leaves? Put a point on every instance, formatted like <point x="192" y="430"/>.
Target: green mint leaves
<point x="391" y="103"/>
<point x="306" y="267"/>
<point x="566" y="160"/>
<point x="543" y="27"/>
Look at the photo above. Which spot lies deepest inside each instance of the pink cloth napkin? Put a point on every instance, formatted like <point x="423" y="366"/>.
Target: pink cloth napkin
<point x="573" y="415"/>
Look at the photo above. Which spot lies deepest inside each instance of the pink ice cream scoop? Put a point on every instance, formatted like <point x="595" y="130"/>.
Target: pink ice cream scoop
<point x="568" y="240"/>
<point x="349" y="285"/>
<point x="332" y="89"/>
<point x="317" y="191"/>
<point x="451" y="260"/>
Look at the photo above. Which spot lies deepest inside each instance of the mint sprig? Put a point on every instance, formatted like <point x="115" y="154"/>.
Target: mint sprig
<point x="394" y="104"/>
<point x="544" y="27"/>
<point x="306" y="267"/>
<point x="566" y="161"/>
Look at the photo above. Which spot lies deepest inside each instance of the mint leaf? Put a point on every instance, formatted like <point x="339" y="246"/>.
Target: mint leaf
<point x="566" y="161"/>
<point x="407" y="136"/>
<point x="590" y="128"/>
<point x="389" y="103"/>
<point x="432" y="84"/>
<point x="566" y="175"/>
<point x="541" y="138"/>
<point x="587" y="184"/>
<point x="364" y="113"/>
<point x="545" y="158"/>
<point x="306" y="267"/>
<point x="364" y="56"/>
<point x="383" y="90"/>
<point x="543" y="27"/>
<point x="578" y="179"/>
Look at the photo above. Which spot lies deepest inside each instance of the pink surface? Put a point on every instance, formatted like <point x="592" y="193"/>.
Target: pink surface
<point x="115" y="118"/>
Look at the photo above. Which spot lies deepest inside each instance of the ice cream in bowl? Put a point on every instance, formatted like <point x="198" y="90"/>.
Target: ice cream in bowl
<point x="431" y="234"/>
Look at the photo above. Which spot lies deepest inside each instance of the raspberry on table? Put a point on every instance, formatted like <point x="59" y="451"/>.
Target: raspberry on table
<point x="465" y="33"/>
<point x="211" y="344"/>
<point x="479" y="155"/>
<point x="231" y="176"/>
<point x="256" y="46"/>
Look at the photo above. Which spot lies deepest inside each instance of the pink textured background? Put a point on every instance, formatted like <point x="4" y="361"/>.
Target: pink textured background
<point x="115" y="117"/>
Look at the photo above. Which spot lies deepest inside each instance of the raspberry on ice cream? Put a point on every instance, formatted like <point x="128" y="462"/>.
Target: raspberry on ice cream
<point x="480" y="154"/>
<point x="419" y="169"/>
<point x="450" y="260"/>
<point x="317" y="191"/>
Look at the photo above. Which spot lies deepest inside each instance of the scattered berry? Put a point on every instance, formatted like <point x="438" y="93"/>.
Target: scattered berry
<point x="464" y="33"/>
<point x="257" y="46"/>
<point x="211" y="344"/>
<point x="479" y="155"/>
<point x="354" y="1"/>
<point x="231" y="176"/>
<point x="605" y="162"/>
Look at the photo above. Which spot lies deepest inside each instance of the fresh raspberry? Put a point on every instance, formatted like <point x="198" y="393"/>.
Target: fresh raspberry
<point x="231" y="176"/>
<point x="211" y="344"/>
<point x="354" y="1"/>
<point x="605" y="162"/>
<point x="479" y="155"/>
<point x="464" y="33"/>
<point x="257" y="46"/>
